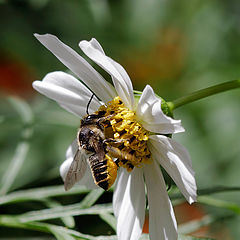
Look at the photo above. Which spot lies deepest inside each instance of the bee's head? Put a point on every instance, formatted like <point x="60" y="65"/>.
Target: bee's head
<point x="84" y="136"/>
<point x="92" y="118"/>
<point x="89" y="120"/>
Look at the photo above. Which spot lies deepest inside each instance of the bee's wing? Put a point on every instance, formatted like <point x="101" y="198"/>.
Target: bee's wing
<point x="77" y="169"/>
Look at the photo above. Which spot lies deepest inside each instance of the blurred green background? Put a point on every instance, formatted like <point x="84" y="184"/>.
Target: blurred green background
<point x="175" y="46"/>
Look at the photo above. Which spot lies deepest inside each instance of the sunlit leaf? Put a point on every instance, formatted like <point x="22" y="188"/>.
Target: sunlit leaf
<point x="60" y="235"/>
<point x="14" y="222"/>
<point x="68" y="221"/>
<point x="40" y="193"/>
<point x="91" y="198"/>
<point x="63" y="211"/>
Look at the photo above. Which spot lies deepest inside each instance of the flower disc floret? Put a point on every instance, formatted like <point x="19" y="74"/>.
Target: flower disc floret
<point x="129" y="133"/>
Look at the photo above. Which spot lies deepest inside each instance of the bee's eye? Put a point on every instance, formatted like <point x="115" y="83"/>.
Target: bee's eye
<point x="81" y="135"/>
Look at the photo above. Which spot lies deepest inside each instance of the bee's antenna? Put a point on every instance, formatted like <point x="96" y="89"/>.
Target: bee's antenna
<point x="89" y="103"/>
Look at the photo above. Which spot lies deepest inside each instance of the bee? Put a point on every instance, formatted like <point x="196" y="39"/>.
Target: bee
<point x="91" y="139"/>
<point x="98" y="148"/>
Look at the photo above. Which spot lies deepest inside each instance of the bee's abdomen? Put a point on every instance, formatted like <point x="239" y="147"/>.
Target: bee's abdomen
<point x="104" y="171"/>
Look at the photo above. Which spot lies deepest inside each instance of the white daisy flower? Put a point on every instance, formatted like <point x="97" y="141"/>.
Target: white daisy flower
<point x="142" y="126"/>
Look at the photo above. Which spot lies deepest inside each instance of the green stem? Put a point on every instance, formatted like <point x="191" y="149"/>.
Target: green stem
<point x="208" y="191"/>
<point x="204" y="93"/>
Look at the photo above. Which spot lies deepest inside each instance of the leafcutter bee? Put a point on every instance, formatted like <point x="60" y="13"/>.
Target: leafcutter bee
<point x="92" y="150"/>
<point x="98" y="148"/>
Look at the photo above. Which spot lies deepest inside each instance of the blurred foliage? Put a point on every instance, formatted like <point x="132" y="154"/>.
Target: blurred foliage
<point x="175" y="46"/>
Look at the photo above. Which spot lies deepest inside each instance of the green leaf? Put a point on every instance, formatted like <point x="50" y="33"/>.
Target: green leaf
<point x="60" y="235"/>
<point x="68" y="221"/>
<point x="220" y="203"/>
<point x="81" y="208"/>
<point x="91" y="198"/>
<point x="217" y="189"/>
<point x="63" y="211"/>
<point x="194" y="225"/>
<point x="205" y="191"/>
<point x="112" y="237"/>
<point x="22" y="108"/>
<point x="182" y="237"/>
<point x="40" y="193"/>
<point x="14" y="167"/>
<point x="43" y="193"/>
<point x="9" y="221"/>
<point x="109" y="219"/>
<point x="26" y="115"/>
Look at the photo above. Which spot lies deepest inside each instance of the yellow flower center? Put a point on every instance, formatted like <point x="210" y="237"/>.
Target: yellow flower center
<point x="131" y="138"/>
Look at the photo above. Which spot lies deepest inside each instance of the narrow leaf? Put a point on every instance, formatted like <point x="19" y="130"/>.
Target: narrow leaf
<point x="63" y="211"/>
<point x="10" y="221"/>
<point x="68" y="221"/>
<point x="14" y="167"/>
<point x="91" y="198"/>
<point x="40" y="193"/>
<point x="60" y="235"/>
<point x="25" y="113"/>
<point x="182" y="237"/>
<point x="220" y="203"/>
<point x="205" y="191"/>
<point x="194" y="225"/>
<point x="109" y="219"/>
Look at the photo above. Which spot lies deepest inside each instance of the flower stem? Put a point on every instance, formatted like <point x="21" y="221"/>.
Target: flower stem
<point x="204" y="93"/>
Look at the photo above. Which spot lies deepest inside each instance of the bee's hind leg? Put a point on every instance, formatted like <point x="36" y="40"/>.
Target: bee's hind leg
<point x="115" y="152"/>
<point x="117" y="143"/>
<point x="112" y="140"/>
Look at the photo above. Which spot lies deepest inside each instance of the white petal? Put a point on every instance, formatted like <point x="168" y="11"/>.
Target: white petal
<point x="151" y="116"/>
<point x="79" y="66"/>
<point x="79" y="111"/>
<point x="129" y="204"/>
<point x="64" y="168"/>
<point x="69" y="92"/>
<point x="87" y="179"/>
<point x="176" y="161"/>
<point x="72" y="149"/>
<point x="162" y="222"/>
<point x="120" y="188"/>
<point x="120" y="78"/>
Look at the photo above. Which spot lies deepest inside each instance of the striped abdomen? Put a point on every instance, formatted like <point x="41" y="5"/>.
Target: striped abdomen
<point x="104" y="170"/>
